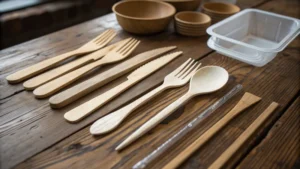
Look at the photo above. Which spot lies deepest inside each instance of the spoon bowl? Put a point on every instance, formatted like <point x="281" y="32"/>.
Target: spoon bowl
<point x="208" y="79"/>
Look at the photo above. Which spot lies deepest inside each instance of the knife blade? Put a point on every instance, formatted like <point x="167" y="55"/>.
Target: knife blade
<point x="71" y="94"/>
<point x="90" y="106"/>
<point x="61" y="70"/>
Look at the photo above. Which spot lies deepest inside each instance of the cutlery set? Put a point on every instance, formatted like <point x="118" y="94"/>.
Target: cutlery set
<point x="120" y="52"/>
<point x="47" y="77"/>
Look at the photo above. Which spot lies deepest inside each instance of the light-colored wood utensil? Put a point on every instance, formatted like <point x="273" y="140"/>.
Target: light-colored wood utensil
<point x="61" y="70"/>
<point x="75" y="92"/>
<point x="90" y="106"/>
<point x="207" y="80"/>
<point x="246" y="101"/>
<point x="177" y="78"/>
<point x="240" y="141"/>
<point x="117" y="54"/>
<point x="93" y="45"/>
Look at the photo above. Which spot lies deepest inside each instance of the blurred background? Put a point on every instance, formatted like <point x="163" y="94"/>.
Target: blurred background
<point x="23" y="20"/>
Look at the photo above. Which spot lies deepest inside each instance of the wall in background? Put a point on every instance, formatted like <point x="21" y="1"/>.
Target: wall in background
<point x="29" y="23"/>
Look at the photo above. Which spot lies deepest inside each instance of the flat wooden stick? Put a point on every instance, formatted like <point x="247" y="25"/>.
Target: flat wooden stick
<point x="223" y="159"/>
<point x="246" y="101"/>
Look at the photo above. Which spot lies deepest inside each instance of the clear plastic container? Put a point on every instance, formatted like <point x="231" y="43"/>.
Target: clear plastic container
<point x="253" y="36"/>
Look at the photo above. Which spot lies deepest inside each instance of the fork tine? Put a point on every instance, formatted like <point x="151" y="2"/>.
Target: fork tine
<point x="185" y="68"/>
<point x="131" y="47"/>
<point x="105" y="36"/>
<point x="176" y="71"/>
<point x="126" y="45"/>
<point x="192" y="72"/>
<point x="101" y="35"/>
<point x="188" y="70"/>
<point x="122" y="44"/>
<point x="106" y="39"/>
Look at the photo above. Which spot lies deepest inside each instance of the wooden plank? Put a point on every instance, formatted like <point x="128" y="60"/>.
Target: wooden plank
<point x="280" y="148"/>
<point x="81" y="149"/>
<point x="34" y="124"/>
<point x="274" y="82"/>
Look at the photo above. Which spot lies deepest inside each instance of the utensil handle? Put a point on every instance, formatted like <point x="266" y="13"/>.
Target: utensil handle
<point x="38" y="67"/>
<point x="90" y="106"/>
<point x="154" y="121"/>
<point x="63" y="81"/>
<point x="112" y="120"/>
<point x="229" y="152"/>
<point x="54" y="73"/>
<point x="247" y="100"/>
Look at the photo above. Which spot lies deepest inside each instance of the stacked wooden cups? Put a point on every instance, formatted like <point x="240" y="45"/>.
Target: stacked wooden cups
<point x="190" y="23"/>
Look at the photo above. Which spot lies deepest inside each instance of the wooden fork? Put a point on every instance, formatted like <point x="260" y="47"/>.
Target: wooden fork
<point x="177" y="78"/>
<point x="45" y="77"/>
<point x="95" y="44"/>
<point x="117" y="54"/>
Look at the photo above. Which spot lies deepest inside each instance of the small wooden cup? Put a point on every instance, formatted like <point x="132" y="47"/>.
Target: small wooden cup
<point x="192" y="23"/>
<point x="219" y="11"/>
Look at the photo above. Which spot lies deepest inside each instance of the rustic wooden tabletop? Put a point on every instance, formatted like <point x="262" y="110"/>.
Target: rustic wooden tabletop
<point x="32" y="135"/>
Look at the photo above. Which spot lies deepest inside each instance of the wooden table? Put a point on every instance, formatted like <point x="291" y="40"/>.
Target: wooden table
<point x="32" y="135"/>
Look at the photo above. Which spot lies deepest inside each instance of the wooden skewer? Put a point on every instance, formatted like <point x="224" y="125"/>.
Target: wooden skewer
<point x="223" y="159"/>
<point x="246" y="101"/>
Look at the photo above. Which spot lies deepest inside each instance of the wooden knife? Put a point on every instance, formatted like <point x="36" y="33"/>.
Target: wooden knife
<point x="68" y="96"/>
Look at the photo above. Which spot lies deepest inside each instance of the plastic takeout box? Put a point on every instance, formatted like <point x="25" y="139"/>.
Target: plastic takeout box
<point x="253" y="36"/>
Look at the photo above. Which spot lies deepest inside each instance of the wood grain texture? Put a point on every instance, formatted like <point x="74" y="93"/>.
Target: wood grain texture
<point x="279" y="149"/>
<point x="32" y="122"/>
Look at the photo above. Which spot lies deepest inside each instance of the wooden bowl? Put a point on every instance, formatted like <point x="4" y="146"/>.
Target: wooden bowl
<point x="143" y="16"/>
<point x="184" y="5"/>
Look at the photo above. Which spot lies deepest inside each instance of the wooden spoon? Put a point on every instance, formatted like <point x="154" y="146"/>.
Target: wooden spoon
<point x="206" y="80"/>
